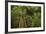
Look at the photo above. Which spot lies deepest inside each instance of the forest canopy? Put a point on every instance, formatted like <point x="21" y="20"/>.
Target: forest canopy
<point x="25" y="16"/>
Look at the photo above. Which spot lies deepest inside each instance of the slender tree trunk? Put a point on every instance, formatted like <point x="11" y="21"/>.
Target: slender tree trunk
<point x="25" y="25"/>
<point x="22" y="22"/>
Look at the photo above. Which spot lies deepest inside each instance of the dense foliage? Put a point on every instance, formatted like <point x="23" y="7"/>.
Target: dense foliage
<point x="25" y="16"/>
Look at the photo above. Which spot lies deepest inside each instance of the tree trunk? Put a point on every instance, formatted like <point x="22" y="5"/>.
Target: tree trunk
<point x="22" y="22"/>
